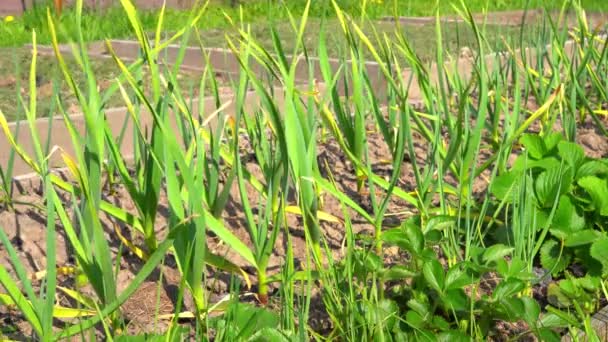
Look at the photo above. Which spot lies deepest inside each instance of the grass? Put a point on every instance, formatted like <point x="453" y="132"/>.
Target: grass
<point x="500" y="200"/>
<point x="111" y="23"/>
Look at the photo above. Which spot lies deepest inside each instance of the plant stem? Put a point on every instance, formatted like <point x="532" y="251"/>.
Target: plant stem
<point x="262" y="287"/>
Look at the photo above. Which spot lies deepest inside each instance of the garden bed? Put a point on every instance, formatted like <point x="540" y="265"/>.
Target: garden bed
<point x="476" y="213"/>
<point x="149" y="308"/>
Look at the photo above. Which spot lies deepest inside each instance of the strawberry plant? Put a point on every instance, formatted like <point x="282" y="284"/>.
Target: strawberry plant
<point x="431" y="300"/>
<point x="569" y="192"/>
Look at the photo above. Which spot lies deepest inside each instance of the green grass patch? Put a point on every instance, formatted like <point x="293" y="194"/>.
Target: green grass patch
<point x="111" y="22"/>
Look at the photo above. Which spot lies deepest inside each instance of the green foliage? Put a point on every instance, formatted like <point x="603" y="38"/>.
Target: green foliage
<point x="435" y="302"/>
<point x="244" y="320"/>
<point x="575" y="186"/>
<point x="580" y="294"/>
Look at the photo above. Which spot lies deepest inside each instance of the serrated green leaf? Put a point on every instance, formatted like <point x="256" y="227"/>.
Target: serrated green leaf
<point x="394" y="236"/>
<point x="553" y="320"/>
<point x="456" y="299"/>
<point x="386" y="311"/>
<point x="566" y="219"/>
<point x="373" y="262"/>
<point x="510" y="308"/>
<point x="440" y="223"/>
<point x="269" y="335"/>
<point x="568" y="317"/>
<point x="367" y="262"/>
<point x="531" y="312"/>
<point x="398" y="272"/>
<point x="548" y="335"/>
<point x="557" y="297"/>
<point x="552" y="183"/>
<point x="517" y="267"/>
<point x="508" y="288"/>
<point x="590" y="283"/>
<point x="534" y="145"/>
<point x="414" y="236"/>
<point x="433" y="273"/>
<point x="599" y="251"/>
<point x="421" y="307"/>
<point x="598" y="190"/>
<point x="552" y="258"/>
<point x="496" y="252"/>
<point x="523" y="163"/>
<point x="592" y="168"/>
<point x="245" y="319"/>
<point x="569" y="286"/>
<point x="572" y="153"/>
<point x="581" y="237"/>
<point x="457" y="278"/>
<point x="433" y="237"/>
<point x="505" y="184"/>
<point x="405" y="238"/>
<point x="441" y="323"/>
<point x="414" y="319"/>
<point x="592" y="265"/>
<point x="551" y="140"/>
